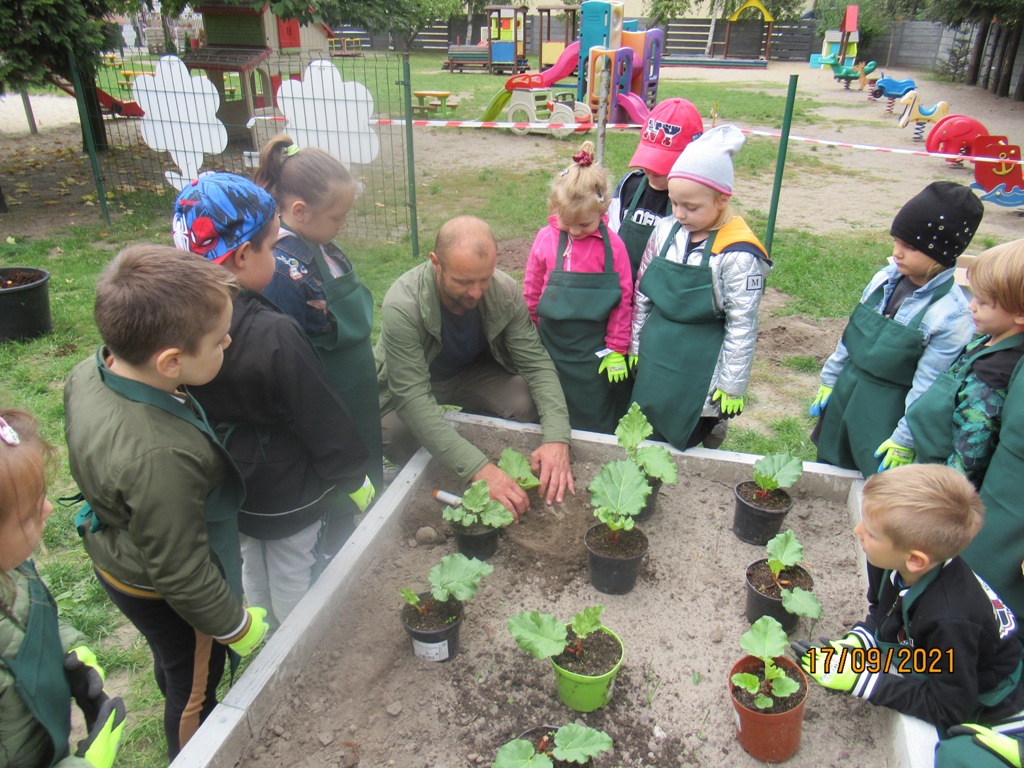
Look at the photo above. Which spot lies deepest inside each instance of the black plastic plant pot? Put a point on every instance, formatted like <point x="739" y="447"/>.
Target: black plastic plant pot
<point x="434" y="643"/>
<point x="609" y="573"/>
<point x="756" y="524"/>
<point x="479" y="541"/>
<point x="24" y="303"/>
<point x="652" y="501"/>
<point x="759" y="604"/>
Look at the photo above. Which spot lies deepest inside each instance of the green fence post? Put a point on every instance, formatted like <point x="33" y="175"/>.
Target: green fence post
<point x="780" y="164"/>
<point x="406" y="83"/>
<point x="90" y="142"/>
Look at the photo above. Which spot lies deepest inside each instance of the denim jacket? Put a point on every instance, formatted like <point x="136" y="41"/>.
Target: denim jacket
<point x="947" y="327"/>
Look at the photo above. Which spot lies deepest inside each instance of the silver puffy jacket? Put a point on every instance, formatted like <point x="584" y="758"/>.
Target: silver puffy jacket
<point x="739" y="280"/>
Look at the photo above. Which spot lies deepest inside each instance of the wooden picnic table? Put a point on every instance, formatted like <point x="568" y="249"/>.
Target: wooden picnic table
<point x="438" y="101"/>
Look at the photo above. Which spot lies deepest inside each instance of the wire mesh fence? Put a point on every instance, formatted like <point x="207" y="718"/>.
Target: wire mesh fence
<point x="212" y="109"/>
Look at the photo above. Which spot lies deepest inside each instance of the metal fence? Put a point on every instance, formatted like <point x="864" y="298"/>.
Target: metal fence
<point x="148" y="148"/>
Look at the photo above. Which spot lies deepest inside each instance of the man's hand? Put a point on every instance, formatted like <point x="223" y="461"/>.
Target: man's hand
<point x="894" y="455"/>
<point x="550" y="463"/>
<point x="1007" y="748"/>
<point x="504" y="489"/>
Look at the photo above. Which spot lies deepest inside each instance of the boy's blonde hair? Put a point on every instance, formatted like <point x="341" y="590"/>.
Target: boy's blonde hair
<point x="309" y="174"/>
<point x="153" y="297"/>
<point x="581" y="188"/>
<point x="928" y="507"/>
<point x="998" y="275"/>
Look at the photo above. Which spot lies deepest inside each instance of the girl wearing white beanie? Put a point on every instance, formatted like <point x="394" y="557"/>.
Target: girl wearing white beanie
<point x="695" y="307"/>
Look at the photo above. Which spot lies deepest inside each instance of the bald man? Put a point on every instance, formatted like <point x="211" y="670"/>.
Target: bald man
<point x="455" y="330"/>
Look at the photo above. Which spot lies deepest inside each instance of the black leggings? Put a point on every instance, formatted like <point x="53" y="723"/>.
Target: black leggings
<point x="179" y="650"/>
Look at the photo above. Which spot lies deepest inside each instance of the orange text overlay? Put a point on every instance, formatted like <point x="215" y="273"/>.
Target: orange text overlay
<point x="902" y="660"/>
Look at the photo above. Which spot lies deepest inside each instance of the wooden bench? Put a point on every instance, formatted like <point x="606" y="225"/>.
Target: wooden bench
<point x="461" y="57"/>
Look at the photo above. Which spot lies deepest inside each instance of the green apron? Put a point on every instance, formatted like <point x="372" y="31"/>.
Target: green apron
<point x="573" y="314"/>
<point x="996" y="552"/>
<point x="930" y="417"/>
<point x="679" y="344"/>
<point x="38" y="667"/>
<point x="635" y="235"/>
<point x="222" y="503"/>
<point x="347" y="355"/>
<point x="869" y="397"/>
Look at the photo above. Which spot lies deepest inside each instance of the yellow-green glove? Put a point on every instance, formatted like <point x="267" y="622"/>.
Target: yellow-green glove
<point x="1007" y="748"/>
<point x="99" y="748"/>
<point x="254" y="635"/>
<point x="831" y="666"/>
<point x="363" y="495"/>
<point x="614" y="364"/>
<point x="731" y="406"/>
<point x="820" y="400"/>
<point x="894" y="455"/>
<point x="86" y="678"/>
<point x="634" y="361"/>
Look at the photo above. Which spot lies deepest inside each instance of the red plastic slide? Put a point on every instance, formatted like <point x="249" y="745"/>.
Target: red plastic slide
<point x="107" y="102"/>
<point x="560" y="70"/>
<point x="634" y="107"/>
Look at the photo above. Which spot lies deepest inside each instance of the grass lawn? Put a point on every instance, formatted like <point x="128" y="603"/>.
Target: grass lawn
<point x="32" y="374"/>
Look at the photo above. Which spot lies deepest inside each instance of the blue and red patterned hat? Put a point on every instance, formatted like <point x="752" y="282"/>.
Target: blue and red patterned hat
<point x="218" y="212"/>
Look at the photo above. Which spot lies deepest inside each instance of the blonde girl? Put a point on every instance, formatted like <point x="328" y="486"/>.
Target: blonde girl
<point x="578" y="288"/>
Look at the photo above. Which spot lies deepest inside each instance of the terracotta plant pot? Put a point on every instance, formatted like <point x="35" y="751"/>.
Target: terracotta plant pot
<point x="24" y="303"/>
<point x="611" y="572"/>
<point x="754" y="522"/>
<point x="760" y="604"/>
<point x="769" y="737"/>
<point x="435" y="637"/>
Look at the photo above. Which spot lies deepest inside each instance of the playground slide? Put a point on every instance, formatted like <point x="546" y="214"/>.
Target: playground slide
<point x="107" y="102"/>
<point x="634" y="107"/>
<point x="562" y="68"/>
<point x="497" y="104"/>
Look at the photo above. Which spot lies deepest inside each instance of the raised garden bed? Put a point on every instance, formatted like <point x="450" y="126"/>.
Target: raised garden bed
<point x="338" y="684"/>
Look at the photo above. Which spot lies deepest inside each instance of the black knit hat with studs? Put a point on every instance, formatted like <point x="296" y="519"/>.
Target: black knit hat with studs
<point x="939" y="221"/>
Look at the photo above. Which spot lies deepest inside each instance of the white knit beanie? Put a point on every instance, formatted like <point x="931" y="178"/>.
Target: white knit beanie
<point x="708" y="160"/>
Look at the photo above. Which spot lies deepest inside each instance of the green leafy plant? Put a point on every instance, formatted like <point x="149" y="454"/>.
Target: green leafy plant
<point x="478" y="507"/>
<point x="654" y="460"/>
<point x="774" y="471"/>
<point x="571" y="743"/>
<point x="766" y="640"/>
<point x="786" y="551"/>
<point x="517" y="466"/>
<point x="617" y="494"/>
<point x="543" y="635"/>
<point x="455" y="576"/>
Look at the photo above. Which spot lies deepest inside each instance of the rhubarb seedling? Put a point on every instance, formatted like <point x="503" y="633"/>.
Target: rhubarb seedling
<point x="774" y="471"/>
<point x="785" y="551"/>
<point x="619" y="492"/>
<point x="766" y="640"/>
<point x="654" y="460"/>
<point x="478" y="507"/>
<point x="543" y="635"/>
<point x="517" y="466"/>
<point x="571" y="743"/>
<point x="455" y="576"/>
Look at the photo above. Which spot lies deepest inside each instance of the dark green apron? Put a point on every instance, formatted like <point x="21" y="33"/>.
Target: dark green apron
<point x="38" y="667"/>
<point x="930" y="417"/>
<point x="680" y="343"/>
<point x="573" y="314"/>
<point x="222" y="503"/>
<point x="996" y="552"/>
<point x="347" y="355"/>
<point x="635" y="235"/>
<point x="869" y="397"/>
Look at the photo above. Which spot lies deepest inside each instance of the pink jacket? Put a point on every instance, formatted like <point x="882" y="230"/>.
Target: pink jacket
<point x="585" y="255"/>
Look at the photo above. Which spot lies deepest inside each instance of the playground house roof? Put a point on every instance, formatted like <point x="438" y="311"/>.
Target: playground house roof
<point x="225" y="58"/>
<point x="752" y="4"/>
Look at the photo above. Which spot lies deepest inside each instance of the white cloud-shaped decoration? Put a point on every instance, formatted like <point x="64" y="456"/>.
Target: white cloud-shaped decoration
<point x="181" y="117"/>
<point x="325" y="112"/>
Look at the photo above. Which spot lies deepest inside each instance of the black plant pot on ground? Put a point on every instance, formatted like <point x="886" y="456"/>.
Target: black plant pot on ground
<point x="652" y="501"/>
<point x="614" y="569"/>
<point x="435" y="635"/>
<point x="764" y="595"/>
<point x="24" y="303"/>
<point x="757" y="520"/>
<point x="479" y="541"/>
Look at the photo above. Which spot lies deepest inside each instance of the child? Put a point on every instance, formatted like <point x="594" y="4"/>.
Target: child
<point x="642" y="195"/>
<point x="911" y="323"/>
<point x="937" y="642"/>
<point x="280" y="419"/>
<point x="970" y="396"/>
<point x="43" y="662"/>
<point x="578" y="289"/>
<point x="315" y="283"/>
<point x="161" y="521"/>
<point x="695" y="306"/>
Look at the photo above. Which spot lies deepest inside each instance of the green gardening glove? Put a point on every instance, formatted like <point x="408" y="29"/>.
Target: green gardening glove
<point x="634" y="361"/>
<point x="363" y="495"/>
<point x="731" y="406"/>
<point x="99" y="748"/>
<point x="831" y="665"/>
<point x="614" y="363"/>
<point x="894" y="455"/>
<point x="254" y="634"/>
<point x="820" y="400"/>
<point x="86" y="678"/>
<point x="1007" y="748"/>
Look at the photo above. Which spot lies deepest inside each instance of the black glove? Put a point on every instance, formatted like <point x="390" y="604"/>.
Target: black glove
<point x="100" y="747"/>
<point x="85" y="676"/>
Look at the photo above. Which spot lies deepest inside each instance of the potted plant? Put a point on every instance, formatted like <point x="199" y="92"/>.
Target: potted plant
<point x="778" y="586"/>
<point x="615" y="547"/>
<point x="654" y="460"/>
<point x="477" y="521"/>
<point x="24" y="303"/>
<point x="433" y="618"/>
<point x="768" y="693"/>
<point x="762" y="504"/>
<point x="585" y="654"/>
<point x="517" y="466"/>
<point x="548" y="747"/>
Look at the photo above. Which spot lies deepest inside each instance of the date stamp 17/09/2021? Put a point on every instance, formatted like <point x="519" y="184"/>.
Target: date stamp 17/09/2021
<point x="903" y="660"/>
